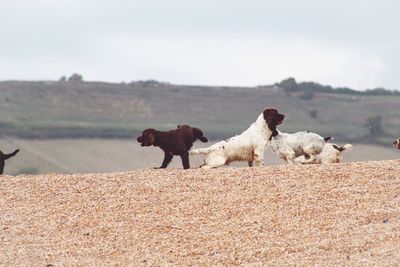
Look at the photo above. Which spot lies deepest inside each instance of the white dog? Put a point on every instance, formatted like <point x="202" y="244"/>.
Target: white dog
<point x="248" y="146"/>
<point x="331" y="153"/>
<point x="300" y="147"/>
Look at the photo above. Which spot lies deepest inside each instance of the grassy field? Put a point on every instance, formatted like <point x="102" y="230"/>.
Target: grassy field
<point x="336" y="215"/>
<point x="94" y="109"/>
<point x="111" y="155"/>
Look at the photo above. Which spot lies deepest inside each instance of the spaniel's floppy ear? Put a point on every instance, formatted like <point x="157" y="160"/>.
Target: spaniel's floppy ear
<point x="337" y="148"/>
<point x="342" y="148"/>
<point x="269" y="117"/>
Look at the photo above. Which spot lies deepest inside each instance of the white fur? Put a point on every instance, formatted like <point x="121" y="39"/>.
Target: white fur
<point x="329" y="154"/>
<point x="248" y="146"/>
<point x="396" y="143"/>
<point x="292" y="148"/>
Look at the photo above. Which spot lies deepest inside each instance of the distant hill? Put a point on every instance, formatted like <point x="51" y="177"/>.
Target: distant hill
<point x="73" y="108"/>
<point x="291" y="86"/>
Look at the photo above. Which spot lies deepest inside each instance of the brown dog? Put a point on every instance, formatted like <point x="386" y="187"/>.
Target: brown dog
<point x="174" y="142"/>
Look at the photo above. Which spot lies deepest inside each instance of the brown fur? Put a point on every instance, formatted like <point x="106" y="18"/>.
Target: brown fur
<point x="273" y="118"/>
<point x="174" y="142"/>
<point x="396" y="143"/>
<point x="4" y="157"/>
<point x="338" y="148"/>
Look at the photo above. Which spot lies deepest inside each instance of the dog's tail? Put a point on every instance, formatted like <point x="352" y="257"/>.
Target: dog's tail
<point x="198" y="134"/>
<point x="327" y="139"/>
<point x="347" y="147"/>
<point x="203" y="139"/>
<point x="343" y="148"/>
<point x="200" y="151"/>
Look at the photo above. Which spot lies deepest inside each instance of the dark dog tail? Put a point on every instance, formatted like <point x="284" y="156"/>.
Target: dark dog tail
<point x="203" y="139"/>
<point x="327" y="139"/>
<point x="199" y="135"/>
<point x="7" y="156"/>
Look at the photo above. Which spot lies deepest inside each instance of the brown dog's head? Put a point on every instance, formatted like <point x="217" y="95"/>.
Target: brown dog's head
<point x="273" y="118"/>
<point x="396" y="143"/>
<point x="148" y="137"/>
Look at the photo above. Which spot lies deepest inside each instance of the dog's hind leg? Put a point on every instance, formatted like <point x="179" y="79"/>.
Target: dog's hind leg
<point x="250" y="162"/>
<point x="305" y="160"/>
<point x="310" y="159"/>
<point x="213" y="162"/>
<point x="300" y="160"/>
<point x="312" y="151"/>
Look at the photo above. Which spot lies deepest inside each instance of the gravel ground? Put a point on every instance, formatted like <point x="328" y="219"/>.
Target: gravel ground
<point x="343" y="214"/>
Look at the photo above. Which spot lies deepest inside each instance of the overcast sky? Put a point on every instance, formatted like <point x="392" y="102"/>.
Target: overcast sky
<point x="354" y="43"/>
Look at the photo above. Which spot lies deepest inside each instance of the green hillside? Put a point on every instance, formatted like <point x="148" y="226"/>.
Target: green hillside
<point x="72" y="109"/>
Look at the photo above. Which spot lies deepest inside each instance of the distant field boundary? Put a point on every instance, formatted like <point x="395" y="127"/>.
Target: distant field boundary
<point x="76" y="132"/>
<point x="123" y="133"/>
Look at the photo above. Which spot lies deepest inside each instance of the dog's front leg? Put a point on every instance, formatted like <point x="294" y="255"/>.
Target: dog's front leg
<point x="167" y="159"/>
<point x="259" y="157"/>
<point x="185" y="160"/>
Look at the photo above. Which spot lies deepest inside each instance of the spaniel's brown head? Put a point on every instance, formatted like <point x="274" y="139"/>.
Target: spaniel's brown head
<point x="273" y="118"/>
<point x="396" y="143"/>
<point x="147" y="138"/>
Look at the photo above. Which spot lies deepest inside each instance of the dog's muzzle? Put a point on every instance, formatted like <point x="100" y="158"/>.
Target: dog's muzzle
<point x="281" y="118"/>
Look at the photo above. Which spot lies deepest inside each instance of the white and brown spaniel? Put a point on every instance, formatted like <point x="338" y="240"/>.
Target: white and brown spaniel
<point x="298" y="148"/>
<point x="331" y="153"/>
<point x="248" y="146"/>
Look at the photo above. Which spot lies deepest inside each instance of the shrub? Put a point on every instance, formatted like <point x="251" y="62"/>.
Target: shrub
<point x="77" y="78"/>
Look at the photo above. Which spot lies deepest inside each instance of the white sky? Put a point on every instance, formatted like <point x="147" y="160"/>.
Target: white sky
<point x="354" y="43"/>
